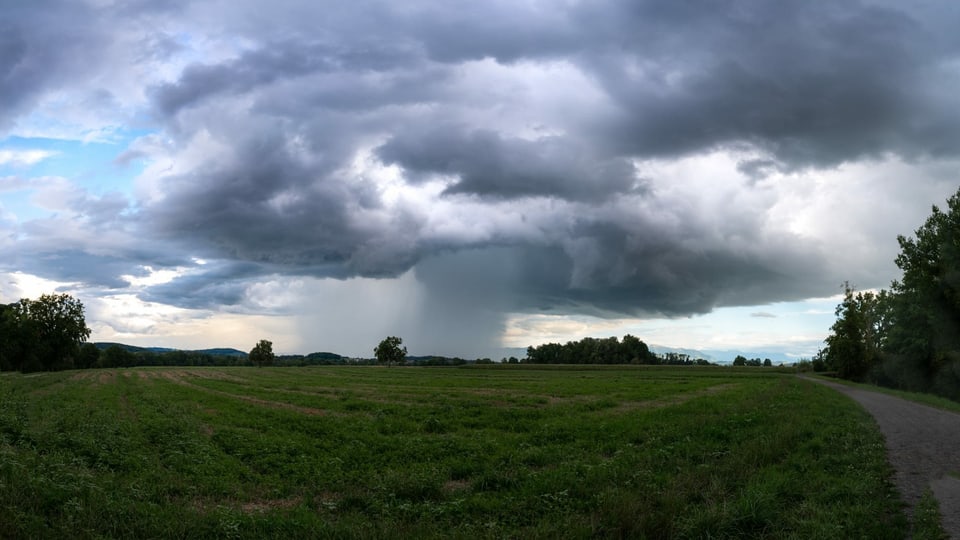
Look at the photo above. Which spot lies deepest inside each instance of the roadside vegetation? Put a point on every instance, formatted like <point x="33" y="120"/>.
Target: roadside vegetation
<point x="907" y="337"/>
<point x="932" y="400"/>
<point x="480" y="452"/>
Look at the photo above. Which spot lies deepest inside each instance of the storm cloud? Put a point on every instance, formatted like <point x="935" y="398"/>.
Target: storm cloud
<point x="513" y="157"/>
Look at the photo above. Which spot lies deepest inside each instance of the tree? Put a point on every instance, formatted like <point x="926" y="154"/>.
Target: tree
<point x="767" y="362"/>
<point x="859" y="333"/>
<point x="594" y="351"/>
<point x="740" y="360"/>
<point x="262" y="353"/>
<point x="116" y="356"/>
<point x="42" y="334"/>
<point x="390" y="352"/>
<point x="636" y="351"/>
<point x="927" y="306"/>
<point x="819" y="362"/>
<point x="11" y="339"/>
<point x="88" y="356"/>
<point x="907" y="337"/>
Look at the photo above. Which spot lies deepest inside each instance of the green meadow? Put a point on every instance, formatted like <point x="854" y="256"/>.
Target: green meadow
<point x="472" y="452"/>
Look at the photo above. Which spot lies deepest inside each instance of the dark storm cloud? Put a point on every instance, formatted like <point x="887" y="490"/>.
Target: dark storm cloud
<point x="615" y="268"/>
<point x="39" y="50"/>
<point x="81" y="267"/>
<point x="813" y="84"/>
<point x="266" y="207"/>
<point x="255" y="68"/>
<point x="277" y="147"/>
<point x="488" y="164"/>
<point x="806" y="85"/>
<point x="222" y="285"/>
<point x="606" y="277"/>
<point x="505" y="31"/>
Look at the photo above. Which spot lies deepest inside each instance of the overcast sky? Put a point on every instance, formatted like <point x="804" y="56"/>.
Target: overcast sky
<point x="702" y="174"/>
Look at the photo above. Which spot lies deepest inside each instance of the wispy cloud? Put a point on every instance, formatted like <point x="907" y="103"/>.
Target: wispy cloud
<point x="24" y="158"/>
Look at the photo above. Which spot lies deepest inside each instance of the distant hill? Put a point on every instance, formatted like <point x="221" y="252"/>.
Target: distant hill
<point x="103" y="345"/>
<point x="222" y="352"/>
<point x="324" y="356"/>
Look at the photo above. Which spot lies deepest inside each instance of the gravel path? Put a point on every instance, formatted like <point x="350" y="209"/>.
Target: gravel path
<point x="923" y="446"/>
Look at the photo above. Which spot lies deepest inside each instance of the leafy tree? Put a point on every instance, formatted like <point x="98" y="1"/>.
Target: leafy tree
<point x="908" y="337"/>
<point x="926" y="310"/>
<point x="636" y="351"/>
<point x="548" y="353"/>
<point x="88" y="357"/>
<point x="116" y="356"/>
<point x="389" y="351"/>
<point x="859" y="333"/>
<point x="740" y="360"/>
<point x="42" y="334"/>
<point x="677" y="359"/>
<point x="767" y="362"/>
<point x="11" y="339"/>
<point x="819" y="362"/>
<point x="596" y="351"/>
<point x="262" y="353"/>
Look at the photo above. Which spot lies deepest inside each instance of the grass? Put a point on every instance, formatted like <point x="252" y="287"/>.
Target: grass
<point x="932" y="400"/>
<point x="505" y="452"/>
<point x="927" y="524"/>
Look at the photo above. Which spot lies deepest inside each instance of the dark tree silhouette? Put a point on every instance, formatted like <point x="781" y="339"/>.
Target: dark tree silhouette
<point x="390" y="352"/>
<point x="262" y="353"/>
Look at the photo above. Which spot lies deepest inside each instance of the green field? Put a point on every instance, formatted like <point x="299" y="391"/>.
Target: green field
<point x="501" y="452"/>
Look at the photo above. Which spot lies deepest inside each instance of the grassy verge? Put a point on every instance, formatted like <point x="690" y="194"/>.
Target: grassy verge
<point x="917" y="397"/>
<point x="462" y="453"/>
<point x="926" y="521"/>
<point x="927" y="514"/>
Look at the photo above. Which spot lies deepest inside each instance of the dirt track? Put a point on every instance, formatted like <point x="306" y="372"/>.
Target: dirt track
<point x="923" y="446"/>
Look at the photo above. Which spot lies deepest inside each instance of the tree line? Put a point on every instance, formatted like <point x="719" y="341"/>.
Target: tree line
<point x="907" y="336"/>
<point x="630" y="350"/>
<point x="116" y="355"/>
<point x="742" y="360"/>
<point x="50" y="333"/>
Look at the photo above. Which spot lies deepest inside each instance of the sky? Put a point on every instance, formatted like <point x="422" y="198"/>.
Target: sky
<point x="469" y="176"/>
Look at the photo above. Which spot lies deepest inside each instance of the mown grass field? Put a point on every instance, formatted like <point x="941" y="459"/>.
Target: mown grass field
<point x="373" y="452"/>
